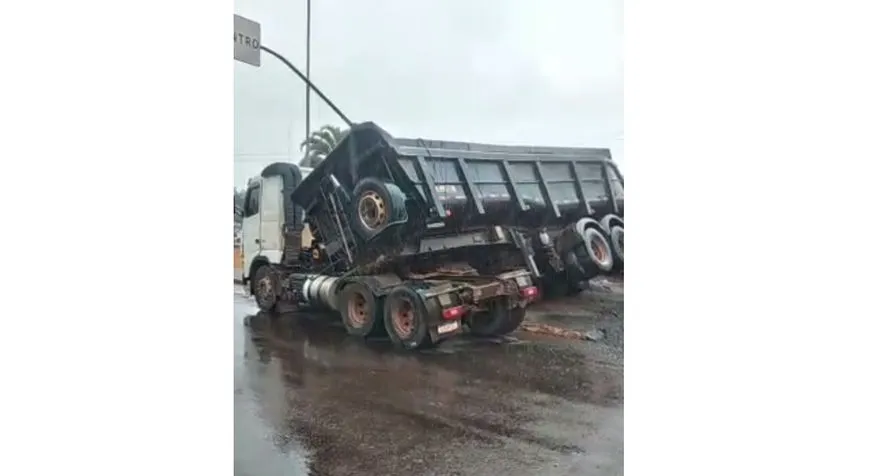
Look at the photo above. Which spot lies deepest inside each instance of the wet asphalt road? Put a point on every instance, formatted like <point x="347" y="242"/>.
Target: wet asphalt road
<point x="309" y="400"/>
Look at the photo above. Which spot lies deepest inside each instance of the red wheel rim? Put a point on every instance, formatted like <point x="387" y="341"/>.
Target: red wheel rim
<point x="358" y="310"/>
<point x="402" y="316"/>
<point x="599" y="249"/>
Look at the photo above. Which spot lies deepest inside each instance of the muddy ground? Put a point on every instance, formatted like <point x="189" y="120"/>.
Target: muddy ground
<point x="309" y="400"/>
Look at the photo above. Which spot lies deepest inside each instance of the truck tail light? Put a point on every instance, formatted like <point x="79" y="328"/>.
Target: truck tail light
<point x="530" y="293"/>
<point x="453" y="312"/>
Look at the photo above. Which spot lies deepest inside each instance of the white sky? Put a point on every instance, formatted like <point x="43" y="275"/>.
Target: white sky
<point x="497" y="71"/>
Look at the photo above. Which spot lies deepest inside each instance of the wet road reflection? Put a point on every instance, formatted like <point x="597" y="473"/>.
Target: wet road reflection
<point x="311" y="400"/>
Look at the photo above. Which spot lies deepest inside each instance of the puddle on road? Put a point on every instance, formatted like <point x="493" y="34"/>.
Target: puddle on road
<point x="327" y="403"/>
<point x="259" y="410"/>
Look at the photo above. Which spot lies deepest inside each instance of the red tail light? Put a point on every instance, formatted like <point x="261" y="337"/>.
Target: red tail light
<point x="530" y="293"/>
<point x="453" y="312"/>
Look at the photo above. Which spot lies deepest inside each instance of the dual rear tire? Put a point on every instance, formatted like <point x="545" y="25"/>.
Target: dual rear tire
<point x="562" y="285"/>
<point x="617" y="242"/>
<point x="614" y="228"/>
<point x="596" y="253"/>
<point x="404" y="318"/>
<point x="401" y="315"/>
<point x="498" y="320"/>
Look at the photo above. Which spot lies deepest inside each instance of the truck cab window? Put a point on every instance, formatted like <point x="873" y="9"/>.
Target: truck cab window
<point x="252" y="202"/>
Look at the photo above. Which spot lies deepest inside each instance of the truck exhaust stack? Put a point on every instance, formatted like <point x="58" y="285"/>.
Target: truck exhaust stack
<point x="315" y="291"/>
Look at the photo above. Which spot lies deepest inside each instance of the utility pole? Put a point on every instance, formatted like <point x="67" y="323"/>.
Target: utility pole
<point x="308" y="23"/>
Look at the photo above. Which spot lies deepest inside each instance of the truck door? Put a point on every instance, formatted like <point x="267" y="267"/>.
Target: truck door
<point x="250" y="227"/>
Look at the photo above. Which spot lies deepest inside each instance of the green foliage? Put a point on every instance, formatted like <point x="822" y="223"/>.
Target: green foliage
<point x="317" y="147"/>
<point x="320" y="144"/>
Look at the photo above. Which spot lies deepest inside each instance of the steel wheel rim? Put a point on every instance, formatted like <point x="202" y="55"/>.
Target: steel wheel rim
<point x="372" y="211"/>
<point x="264" y="289"/>
<point x="402" y="316"/>
<point x="598" y="247"/>
<point x="358" y="310"/>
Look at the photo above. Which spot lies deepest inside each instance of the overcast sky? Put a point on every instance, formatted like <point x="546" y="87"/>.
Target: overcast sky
<point x="499" y="71"/>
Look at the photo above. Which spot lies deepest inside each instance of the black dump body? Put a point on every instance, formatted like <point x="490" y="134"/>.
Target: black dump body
<point x="451" y="188"/>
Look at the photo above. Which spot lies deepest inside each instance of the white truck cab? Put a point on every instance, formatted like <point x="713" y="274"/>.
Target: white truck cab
<point x="262" y="221"/>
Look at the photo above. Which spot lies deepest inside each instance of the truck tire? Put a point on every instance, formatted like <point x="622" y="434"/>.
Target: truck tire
<point x="574" y="288"/>
<point x="376" y="204"/>
<point x="498" y="320"/>
<point x="359" y="310"/>
<point x="617" y="241"/>
<point x="562" y="286"/>
<point x="610" y="220"/>
<point x="515" y="317"/>
<point x="264" y="286"/>
<point x="405" y="319"/>
<point x="595" y="249"/>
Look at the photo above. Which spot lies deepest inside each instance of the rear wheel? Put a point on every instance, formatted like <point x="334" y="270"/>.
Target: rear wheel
<point x="596" y="250"/>
<point x="497" y="320"/>
<point x="264" y="286"/>
<point x="359" y="310"/>
<point x="574" y="288"/>
<point x="515" y="317"/>
<point x="617" y="240"/>
<point x="405" y="318"/>
<point x="562" y="286"/>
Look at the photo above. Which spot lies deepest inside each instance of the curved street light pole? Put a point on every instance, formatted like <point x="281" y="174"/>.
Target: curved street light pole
<point x="309" y="84"/>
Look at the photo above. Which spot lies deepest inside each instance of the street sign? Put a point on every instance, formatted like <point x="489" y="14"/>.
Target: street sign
<point x="247" y="41"/>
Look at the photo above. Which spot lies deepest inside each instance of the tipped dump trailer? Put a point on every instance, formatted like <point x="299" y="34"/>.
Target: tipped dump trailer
<point x="423" y="239"/>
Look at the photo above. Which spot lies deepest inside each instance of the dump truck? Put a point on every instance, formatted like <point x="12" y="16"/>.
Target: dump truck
<point x="421" y="240"/>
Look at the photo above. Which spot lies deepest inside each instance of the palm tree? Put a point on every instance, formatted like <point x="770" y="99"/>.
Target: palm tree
<point x="320" y="144"/>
